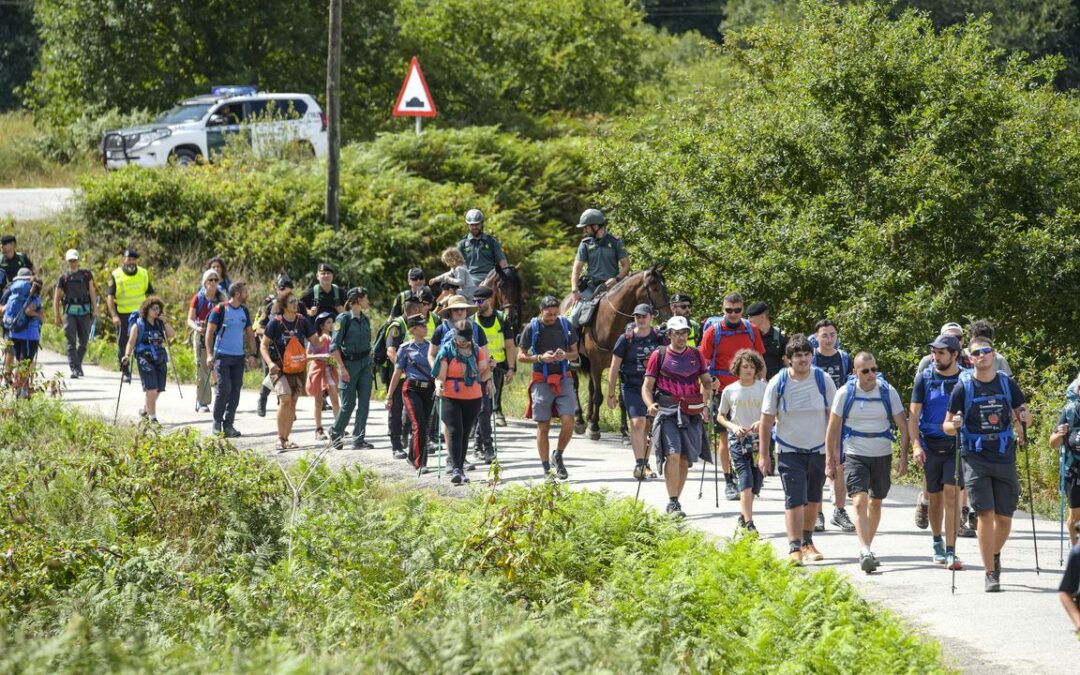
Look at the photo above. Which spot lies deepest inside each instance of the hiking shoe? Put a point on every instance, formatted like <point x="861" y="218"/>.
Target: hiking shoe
<point x="750" y="527"/>
<point x="457" y="476"/>
<point x="127" y="378"/>
<point x="560" y="468"/>
<point x="939" y="553"/>
<point x="468" y="466"/>
<point x="260" y="409"/>
<point x="972" y="520"/>
<point x="489" y="455"/>
<point x="731" y="492"/>
<point x="336" y="442"/>
<point x="810" y="553"/>
<point x="867" y="562"/>
<point x="922" y="515"/>
<point x="993" y="582"/>
<point x="478" y="453"/>
<point x="964" y="531"/>
<point x="675" y="509"/>
<point x="400" y="454"/>
<point x="819" y="526"/>
<point x="231" y="432"/>
<point x="649" y="473"/>
<point x="142" y="412"/>
<point x="500" y="421"/>
<point x="361" y="444"/>
<point x="741" y="524"/>
<point x="795" y="557"/>
<point x="74" y="374"/>
<point x="639" y="472"/>
<point x="952" y="562"/>
<point x="217" y="429"/>
<point x="841" y="520"/>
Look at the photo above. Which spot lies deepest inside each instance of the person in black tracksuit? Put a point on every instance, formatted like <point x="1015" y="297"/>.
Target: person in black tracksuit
<point x="418" y="389"/>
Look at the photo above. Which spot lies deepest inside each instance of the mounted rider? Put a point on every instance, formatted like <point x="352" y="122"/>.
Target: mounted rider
<point x="482" y="252"/>
<point x="608" y="264"/>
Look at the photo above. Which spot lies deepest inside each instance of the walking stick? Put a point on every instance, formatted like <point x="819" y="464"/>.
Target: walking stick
<point x="1061" y="491"/>
<point x="956" y="507"/>
<point x="93" y="324"/>
<point x="438" y="434"/>
<point x="116" y="413"/>
<point x="701" y="487"/>
<point x="1031" y="497"/>
<point x="176" y="373"/>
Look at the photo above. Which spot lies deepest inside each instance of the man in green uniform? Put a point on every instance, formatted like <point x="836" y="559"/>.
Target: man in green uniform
<point x="482" y="252"/>
<point x="605" y="256"/>
<point x="351" y="347"/>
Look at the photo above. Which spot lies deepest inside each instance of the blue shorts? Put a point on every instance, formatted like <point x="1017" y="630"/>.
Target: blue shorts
<point x="152" y="375"/>
<point x="803" y="477"/>
<point x="632" y="401"/>
<point x="743" y="456"/>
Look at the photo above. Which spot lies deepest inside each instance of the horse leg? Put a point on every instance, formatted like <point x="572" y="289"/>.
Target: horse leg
<point x="579" y="417"/>
<point x="596" y="399"/>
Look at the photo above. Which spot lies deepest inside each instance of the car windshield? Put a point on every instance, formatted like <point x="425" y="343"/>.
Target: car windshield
<point x="184" y="113"/>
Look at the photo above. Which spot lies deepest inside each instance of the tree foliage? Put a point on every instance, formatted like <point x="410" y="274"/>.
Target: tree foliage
<point x="874" y="171"/>
<point x="18" y="50"/>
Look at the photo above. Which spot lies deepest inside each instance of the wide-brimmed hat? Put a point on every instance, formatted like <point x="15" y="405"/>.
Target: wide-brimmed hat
<point x="457" y="302"/>
<point x="24" y="273"/>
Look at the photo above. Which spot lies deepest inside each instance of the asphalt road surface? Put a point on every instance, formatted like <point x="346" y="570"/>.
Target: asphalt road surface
<point x="1021" y="630"/>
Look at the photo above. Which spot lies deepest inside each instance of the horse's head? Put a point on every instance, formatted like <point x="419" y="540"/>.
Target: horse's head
<point x="509" y="295"/>
<point x="654" y="291"/>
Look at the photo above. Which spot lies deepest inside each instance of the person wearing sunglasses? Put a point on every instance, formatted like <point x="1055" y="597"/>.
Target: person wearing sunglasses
<point x="207" y="298"/>
<point x="680" y="306"/>
<point x="860" y="439"/>
<point x="984" y="409"/>
<point x="723" y="338"/>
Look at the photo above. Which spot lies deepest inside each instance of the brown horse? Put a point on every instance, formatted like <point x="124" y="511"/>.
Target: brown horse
<point x="609" y="320"/>
<point x="509" y="296"/>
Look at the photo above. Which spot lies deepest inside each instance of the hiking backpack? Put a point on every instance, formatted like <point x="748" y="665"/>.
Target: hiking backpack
<point x="937" y="390"/>
<point x="717" y="324"/>
<point x="221" y="331"/>
<point x="781" y="388"/>
<point x="534" y="326"/>
<point x="15" y="318"/>
<point x="849" y="401"/>
<point x="973" y="441"/>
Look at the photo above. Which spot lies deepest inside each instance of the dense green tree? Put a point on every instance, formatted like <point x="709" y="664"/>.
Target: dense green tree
<point x="18" y="50"/>
<point x="872" y="170"/>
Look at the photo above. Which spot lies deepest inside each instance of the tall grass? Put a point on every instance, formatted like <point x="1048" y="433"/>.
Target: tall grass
<point x="24" y="162"/>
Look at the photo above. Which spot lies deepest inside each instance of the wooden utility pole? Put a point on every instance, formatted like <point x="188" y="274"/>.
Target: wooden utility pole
<point x="333" y="113"/>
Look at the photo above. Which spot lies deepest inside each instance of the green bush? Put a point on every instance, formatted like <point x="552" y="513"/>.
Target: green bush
<point x="134" y="550"/>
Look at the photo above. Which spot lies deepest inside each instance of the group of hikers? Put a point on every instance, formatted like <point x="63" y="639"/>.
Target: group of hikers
<point x="734" y="385"/>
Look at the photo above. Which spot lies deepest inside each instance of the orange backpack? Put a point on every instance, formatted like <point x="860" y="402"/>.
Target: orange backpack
<point x="294" y="360"/>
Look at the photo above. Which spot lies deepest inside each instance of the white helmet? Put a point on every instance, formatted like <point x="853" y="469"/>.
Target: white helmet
<point x="474" y="217"/>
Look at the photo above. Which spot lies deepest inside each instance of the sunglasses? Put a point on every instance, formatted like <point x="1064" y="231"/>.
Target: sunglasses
<point x="865" y="371"/>
<point x="981" y="351"/>
<point x="213" y="279"/>
<point x="733" y="310"/>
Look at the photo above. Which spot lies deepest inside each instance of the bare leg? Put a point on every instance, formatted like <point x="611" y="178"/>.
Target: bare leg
<point x="542" y="444"/>
<point x="937" y="510"/>
<point x="285" y="416"/>
<point x="566" y="431"/>
<point x="676" y="469"/>
<point x="875" y="520"/>
<point x="810" y="516"/>
<point x="637" y="436"/>
<point x="1074" y="517"/>
<point x="951" y="499"/>
<point x="794" y="519"/>
<point x="151" y="402"/>
<point x="746" y="504"/>
<point x="860" y="501"/>
<point x="839" y="489"/>
<point x="1002" y="528"/>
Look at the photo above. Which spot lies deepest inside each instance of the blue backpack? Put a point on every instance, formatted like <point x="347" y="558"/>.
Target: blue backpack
<point x="534" y="327"/>
<point x="849" y="401"/>
<point x="937" y="390"/>
<point x="974" y="442"/>
<point x="781" y="387"/>
<point x="719" y="333"/>
<point x="15" y="318"/>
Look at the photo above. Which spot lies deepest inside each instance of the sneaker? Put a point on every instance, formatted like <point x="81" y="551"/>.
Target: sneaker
<point x="500" y="421"/>
<point x="795" y="557"/>
<point x="489" y="455"/>
<point x="217" y="429"/>
<point x="231" y="432"/>
<point x="819" y="526"/>
<point x="952" y="562"/>
<point x="993" y="582"/>
<point x="841" y="520"/>
<point x="675" y="509"/>
<point x="649" y="473"/>
<point x="478" y="453"/>
<point x="639" y="472"/>
<point x="400" y="454"/>
<point x="731" y="492"/>
<point x="469" y="466"/>
<point x="361" y="444"/>
<point x="142" y="412"/>
<point x="867" y="562"/>
<point x="320" y="435"/>
<point x="127" y="378"/>
<point x="741" y="524"/>
<point x="457" y="477"/>
<point x="204" y="408"/>
<point x="560" y="468"/>
<point x="964" y="531"/>
<point x="750" y="527"/>
<point x="939" y="553"/>
<point x="810" y="553"/>
<point x="336" y="441"/>
<point x="922" y="515"/>
<point x="74" y="374"/>
<point x="972" y="520"/>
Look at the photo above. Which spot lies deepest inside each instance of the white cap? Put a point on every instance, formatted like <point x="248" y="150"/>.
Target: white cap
<point x="71" y="254"/>
<point x="678" y="323"/>
<point x="950" y="328"/>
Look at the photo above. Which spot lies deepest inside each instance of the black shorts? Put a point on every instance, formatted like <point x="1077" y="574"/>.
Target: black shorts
<point x="868" y="474"/>
<point x="941" y="470"/>
<point x="803" y="477"/>
<point x="991" y="486"/>
<point x="1074" y="495"/>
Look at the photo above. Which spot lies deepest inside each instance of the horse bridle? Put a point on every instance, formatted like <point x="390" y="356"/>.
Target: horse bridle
<point x="592" y="324"/>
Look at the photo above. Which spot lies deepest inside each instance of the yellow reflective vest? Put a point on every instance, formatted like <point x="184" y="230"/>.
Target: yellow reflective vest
<point x="496" y="343"/>
<point x="130" y="289"/>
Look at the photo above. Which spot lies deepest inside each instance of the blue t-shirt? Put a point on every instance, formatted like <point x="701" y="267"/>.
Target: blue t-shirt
<point x="440" y="331"/>
<point x="634" y="353"/>
<point x="32" y="329"/>
<point x="231" y="323"/>
<point x="988" y="416"/>
<point x="412" y="360"/>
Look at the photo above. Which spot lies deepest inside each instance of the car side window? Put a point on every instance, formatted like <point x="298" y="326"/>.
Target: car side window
<point x="227" y="114"/>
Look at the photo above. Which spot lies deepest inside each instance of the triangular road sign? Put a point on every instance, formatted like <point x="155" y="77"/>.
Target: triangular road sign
<point x="415" y="98"/>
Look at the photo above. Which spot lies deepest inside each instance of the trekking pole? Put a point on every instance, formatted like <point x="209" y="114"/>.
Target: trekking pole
<point x="116" y="413"/>
<point x="1031" y="497"/>
<point x="701" y="487"/>
<point x="438" y="435"/>
<point x="956" y="507"/>
<point x="1061" y="491"/>
<point x="713" y="444"/>
<point x="176" y="373"/>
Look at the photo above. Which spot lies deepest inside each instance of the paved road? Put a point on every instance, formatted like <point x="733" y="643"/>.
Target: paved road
<point x="1022" y="630"/>
<point x="33" y="203"/>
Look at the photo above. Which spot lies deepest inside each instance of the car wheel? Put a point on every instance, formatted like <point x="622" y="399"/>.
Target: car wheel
<point x="185" y="157"/>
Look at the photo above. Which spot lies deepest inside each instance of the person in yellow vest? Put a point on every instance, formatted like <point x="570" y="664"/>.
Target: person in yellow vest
<point x="502" y="350"/>
<point x="680" y="306"/>
<point x="129" y="286"/>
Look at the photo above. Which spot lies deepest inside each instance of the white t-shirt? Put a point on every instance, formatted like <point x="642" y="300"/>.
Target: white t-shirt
<point x="867" y="417"/>
<point x="743" y="404"/>
<point x="802" y="418"/>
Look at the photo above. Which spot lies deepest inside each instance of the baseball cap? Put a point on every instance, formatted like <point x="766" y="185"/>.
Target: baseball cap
<point x="678" y="323"/>
<point x="416" y="274"/>
<point x="644" y="309"/>
<point x="355" y="294"/>
<point x="950" y="342"/>
<point x="284" y="281"/>
<point x="951" y="327"/>
<point x="71" y="254"/>
<point x="757" y="309"/>
<point x="7" y="239"/>
<point x="416" y="320"/>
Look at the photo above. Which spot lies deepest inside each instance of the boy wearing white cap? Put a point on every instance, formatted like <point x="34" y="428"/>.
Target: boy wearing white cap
<point x="75" y="308"/>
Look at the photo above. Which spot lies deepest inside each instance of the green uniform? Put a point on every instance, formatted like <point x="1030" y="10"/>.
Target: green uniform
<point x="352" y="336"/>
<point x="481" y="255"/>
<point x="695" y="334"/>
<point x="602" y="257"/>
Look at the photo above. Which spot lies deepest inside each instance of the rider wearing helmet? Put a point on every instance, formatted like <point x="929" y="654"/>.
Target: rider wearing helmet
<point x="482" y="252"/>
<point x="605" y="256"/>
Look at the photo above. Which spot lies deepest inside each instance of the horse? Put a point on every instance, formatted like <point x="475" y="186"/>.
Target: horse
<point x="509" y="296"/>
<point x="614" y="311"/>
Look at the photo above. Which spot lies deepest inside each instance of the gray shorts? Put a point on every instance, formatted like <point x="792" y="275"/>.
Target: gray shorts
<point x="543" y="398"/>
<point x="991" y="486"/>
<point x="680" y="435"/>
<point x="868" y="474"/>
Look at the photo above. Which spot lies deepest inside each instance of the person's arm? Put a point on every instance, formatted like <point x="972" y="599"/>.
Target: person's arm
<point x="613" y="376"/>
<point x="110" y="302"/>
<point x="392" y="386"/>
<point x="647" y="394"/>
<point x="914" y="412"/>
<point x="167" y="329"/>
<point x="722" y="414"/>
<point x="1057" y="436"/>
<point x="511" y="355"/>
<point x="208" y="338"/>
<point x="191" y="321"/>
<point x="954" y="421"/>
<point x="57" y="296"/>
<point x="575" y="275"/>
<point x="133" y="339"/>
<point x="832" y="443"/>
<point x="705" y="380"/>
<point x="264" y="351"/>
<point x="93" y="298"/>
<point x="765" y="426"/>
<point x="571" y="354"/>
<point x="624" y="269"/>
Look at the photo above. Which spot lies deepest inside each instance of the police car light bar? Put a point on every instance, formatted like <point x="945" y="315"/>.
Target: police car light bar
<point x="235" y="90"/>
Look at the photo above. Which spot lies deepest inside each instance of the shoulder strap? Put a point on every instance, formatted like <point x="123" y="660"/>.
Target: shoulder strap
<point x="819" y="376"/>
<point x="845" y="362"/>
<point x="566" y="331"/>
<point x="1003" y="380"/>
<point x="849" y="400"/>
<point x="969" y="392"/>
<point x="749" y="327"/>
<point x="886" y="398"/>
<point x="534" y="328"/>
<point x="781" y="385"/>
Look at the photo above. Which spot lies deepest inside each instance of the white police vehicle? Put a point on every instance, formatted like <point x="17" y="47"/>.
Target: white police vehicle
<point x="198" y="127"/>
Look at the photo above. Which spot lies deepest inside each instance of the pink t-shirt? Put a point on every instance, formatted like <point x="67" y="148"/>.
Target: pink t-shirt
<point x="680" y="374"/>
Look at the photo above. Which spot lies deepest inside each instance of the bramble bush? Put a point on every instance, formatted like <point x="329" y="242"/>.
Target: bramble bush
<point x="128" y="548"/>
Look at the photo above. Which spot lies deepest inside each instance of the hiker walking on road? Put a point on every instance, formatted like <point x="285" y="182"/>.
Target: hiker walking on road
<point x="416" y="283"/>
<point x="740" y="415"/>
<point x="75" y="308"/>
<point x="549" y="345"/>
<point x="206" y="299"/>
<point x="282" y="285"/>
<point x="229" y="345"/>
<point x="935" y="451"/>
<point x="351" y="349"/>
<point x="284" y="352"/>
<point x="837" y="365"/>
<point x="724" y="337"/>
<point x="417" y="389"/>
<point x="147" y="338"/>
<point x="1069" y="590"/>
<point x="461" y="376"/>
<point x="482" y="252"/>
<point x="1066" y="439"/>
<point x="502" y="350"/>
<point x="322" y="378"/>
<point x="22" y="321"/>
<point x="677" y="391"/>
<point x="860" y="439"/>
<point x="129" y="286"/>
<point x="984" y="408"/>
<point x="797" y="402"/>
<point x="629" y="357"/>
<point x="605" y="257"/>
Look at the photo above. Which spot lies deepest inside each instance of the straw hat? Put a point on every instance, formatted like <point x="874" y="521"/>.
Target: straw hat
<point x="457" y="302"/>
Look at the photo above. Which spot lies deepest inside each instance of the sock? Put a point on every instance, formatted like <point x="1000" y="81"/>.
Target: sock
<point x="865" y="550"/>
<point x="937" y="538"/>
<point x="729" y="478"/>
<point x="547" y="466"/>
<point x="807" y="537"/>
<point x="641" y="462"/>
<point x="794" y="545"/>
<point x="674" y="500"/>
<point x="950" y="550"/>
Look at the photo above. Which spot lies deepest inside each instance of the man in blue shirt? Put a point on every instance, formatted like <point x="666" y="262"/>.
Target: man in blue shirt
<point x="229" y="339"/>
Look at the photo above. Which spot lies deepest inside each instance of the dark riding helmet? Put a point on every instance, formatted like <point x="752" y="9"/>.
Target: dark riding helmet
<point x="592" y="217"/>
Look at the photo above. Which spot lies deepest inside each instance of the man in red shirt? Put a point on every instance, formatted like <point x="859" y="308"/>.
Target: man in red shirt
<point x="722" y="338"/>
